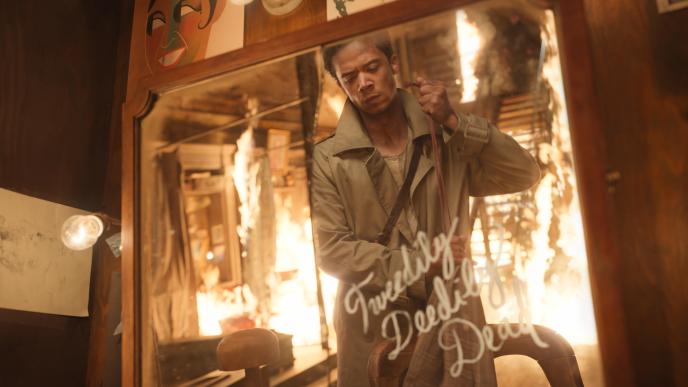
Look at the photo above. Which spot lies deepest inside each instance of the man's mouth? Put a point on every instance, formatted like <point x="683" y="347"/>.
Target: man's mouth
<point x="172" y="57"/>
<point x="371" y="98"/>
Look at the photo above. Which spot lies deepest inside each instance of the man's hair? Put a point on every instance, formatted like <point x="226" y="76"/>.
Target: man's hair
<point x="381" y="41"/>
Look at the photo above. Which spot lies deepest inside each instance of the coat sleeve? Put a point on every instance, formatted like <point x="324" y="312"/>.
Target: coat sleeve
<point x="339" y="253"/>
<point x="498" y="164"/>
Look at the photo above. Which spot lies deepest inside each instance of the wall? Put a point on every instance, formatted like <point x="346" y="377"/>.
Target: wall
<point x="640" y="59"/>
<point x="60" y="100"/>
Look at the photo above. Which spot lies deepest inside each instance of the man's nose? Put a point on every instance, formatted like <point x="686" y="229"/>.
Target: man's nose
<point x="364" y="82"/>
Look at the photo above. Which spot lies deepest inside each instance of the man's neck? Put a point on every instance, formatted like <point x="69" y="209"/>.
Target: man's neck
<point x="388" y="130"/>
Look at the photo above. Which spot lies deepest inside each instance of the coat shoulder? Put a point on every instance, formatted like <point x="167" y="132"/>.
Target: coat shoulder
<point x="326" y="139"/>
<point x="323" y="147"/>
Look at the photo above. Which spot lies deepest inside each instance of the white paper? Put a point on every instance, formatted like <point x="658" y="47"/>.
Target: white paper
<point x="37" y="272"/>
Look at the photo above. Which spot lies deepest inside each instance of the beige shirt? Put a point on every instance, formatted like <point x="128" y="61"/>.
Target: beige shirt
<point x="399" y="165"/>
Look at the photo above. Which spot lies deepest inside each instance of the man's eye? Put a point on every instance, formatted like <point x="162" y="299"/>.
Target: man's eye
<point x="373" y="68"/>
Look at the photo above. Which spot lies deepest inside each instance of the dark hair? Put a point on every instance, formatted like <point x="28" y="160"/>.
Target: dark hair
<point x="381" y="41"/>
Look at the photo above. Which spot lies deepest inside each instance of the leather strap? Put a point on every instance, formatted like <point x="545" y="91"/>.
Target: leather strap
<point x="441" y="190"/>
<point x="402" y="197"/>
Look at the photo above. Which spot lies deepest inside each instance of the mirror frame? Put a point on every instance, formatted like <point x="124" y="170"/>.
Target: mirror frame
<point x="586" y="134"/>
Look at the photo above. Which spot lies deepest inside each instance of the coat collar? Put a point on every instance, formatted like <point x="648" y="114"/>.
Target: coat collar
<point x="351" y="134"/>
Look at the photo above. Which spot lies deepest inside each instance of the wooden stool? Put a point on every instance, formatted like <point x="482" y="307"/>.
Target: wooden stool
<point x="250" y="350"/>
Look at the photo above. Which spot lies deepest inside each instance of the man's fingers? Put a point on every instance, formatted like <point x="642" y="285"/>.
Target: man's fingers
<point x="426" y="89"/>
<point x="424" y="99"/>
<point x="429" y="89"/>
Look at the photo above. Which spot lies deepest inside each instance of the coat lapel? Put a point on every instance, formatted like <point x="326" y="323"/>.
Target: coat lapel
<point x="351" y="135"/>
<point x="382" y="181"/>
<point x="425" y="164"/>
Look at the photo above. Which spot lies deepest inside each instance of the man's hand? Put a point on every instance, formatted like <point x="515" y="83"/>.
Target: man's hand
<point x="434" y="102"/>
<point x="458" y="248"/>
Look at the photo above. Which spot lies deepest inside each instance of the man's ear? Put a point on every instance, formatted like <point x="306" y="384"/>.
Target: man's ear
<point x="394" y="63"/>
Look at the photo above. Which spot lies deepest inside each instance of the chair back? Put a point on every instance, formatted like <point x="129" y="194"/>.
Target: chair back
<point x="558" y="361"/>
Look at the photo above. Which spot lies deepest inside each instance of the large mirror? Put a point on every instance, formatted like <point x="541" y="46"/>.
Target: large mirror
<point x="226" y="200"/>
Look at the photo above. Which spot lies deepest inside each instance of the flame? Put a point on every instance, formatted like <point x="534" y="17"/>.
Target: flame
<point x="244" y="174"/>
<point x="559" y="297"/>
<point x="216" y="304"/>
<point x="295" y="309"/>
<point x="565" y="303"/>
<point x="219" y="304"/>
<point x="469" y="43"/>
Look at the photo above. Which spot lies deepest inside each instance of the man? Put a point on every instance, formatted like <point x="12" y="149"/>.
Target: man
<point x="357" y="173"/>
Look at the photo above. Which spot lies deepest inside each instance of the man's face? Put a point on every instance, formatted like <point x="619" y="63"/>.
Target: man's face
<point x="366" y="76"/>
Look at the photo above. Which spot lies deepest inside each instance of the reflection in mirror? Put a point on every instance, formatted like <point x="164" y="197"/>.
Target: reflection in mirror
<point x="499" y="60"/>
<point x="225" y="223"/>
<point x="224" y="211"/>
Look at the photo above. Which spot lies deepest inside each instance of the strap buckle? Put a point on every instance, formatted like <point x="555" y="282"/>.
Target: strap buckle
<point x="476" y="129"/>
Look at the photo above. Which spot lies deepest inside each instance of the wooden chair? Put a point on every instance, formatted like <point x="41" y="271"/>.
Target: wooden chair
<point x="250" y="350"/>
<point x="558" y="361"/>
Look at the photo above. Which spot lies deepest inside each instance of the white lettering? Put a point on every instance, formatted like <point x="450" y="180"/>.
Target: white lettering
<point x="447" y="306"/>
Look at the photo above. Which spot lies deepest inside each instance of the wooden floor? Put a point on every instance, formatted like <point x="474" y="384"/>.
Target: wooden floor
<point x="324" y="382"/>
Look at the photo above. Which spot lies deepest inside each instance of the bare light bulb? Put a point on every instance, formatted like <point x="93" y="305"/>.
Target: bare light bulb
<point x="80" y="232"/>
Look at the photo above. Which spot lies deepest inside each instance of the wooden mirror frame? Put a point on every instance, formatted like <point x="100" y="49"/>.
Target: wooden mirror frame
<point x="586" y="135"/>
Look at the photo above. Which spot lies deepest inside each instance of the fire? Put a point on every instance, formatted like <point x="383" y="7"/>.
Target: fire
<point x="294" y="303"/>
<point x="244" y="176"/>
<point x="220" y="304"/>
<point x="565" y="302"/>
<point x="469" y="43"/>
<point x="216" y="304"/>
<point x="553" y="262"/>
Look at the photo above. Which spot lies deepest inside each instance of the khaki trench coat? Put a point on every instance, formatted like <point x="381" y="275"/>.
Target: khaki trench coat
<point x="354" y="192"/>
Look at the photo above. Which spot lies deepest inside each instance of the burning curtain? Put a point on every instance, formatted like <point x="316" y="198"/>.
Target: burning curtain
<point x="173" y="286"/>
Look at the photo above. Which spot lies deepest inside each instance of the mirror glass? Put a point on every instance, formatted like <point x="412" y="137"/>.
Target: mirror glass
<point x="224" y="206"/>
<point x="498" y="60"/>
<point x="225" y="221"/>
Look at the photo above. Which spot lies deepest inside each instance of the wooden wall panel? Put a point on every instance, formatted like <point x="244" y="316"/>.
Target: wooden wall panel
<point x="260" y="25"/>
<point x="57" y="77"/>
<point x="57" y="71"/>
<point x="640" y="60"/>
<point x="103" y="365"/>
